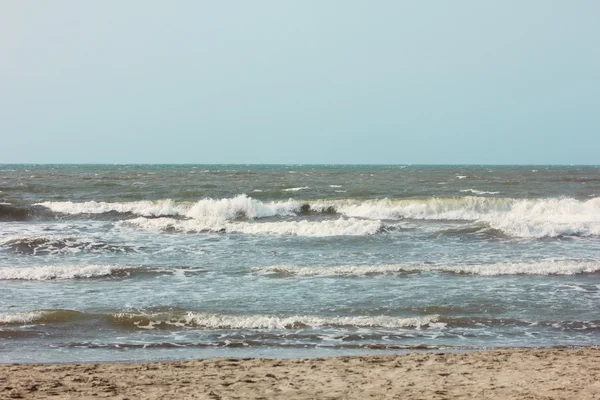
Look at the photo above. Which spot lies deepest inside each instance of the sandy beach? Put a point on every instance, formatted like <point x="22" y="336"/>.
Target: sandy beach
<point x="501" y="374"/>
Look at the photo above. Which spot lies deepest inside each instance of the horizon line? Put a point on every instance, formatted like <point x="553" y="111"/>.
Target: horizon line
<point x="310" y="164"/>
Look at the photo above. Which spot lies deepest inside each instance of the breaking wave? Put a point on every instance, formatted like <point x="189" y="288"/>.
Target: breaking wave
<point x="140" y="320"/>
<point x="534" y="218"/>
<point x="215" y="321"/>
<point x="479" y="192"/>
<point x="534" y="268"/>
<point x="339" y="227"/>
<point x="237" y="207"/>
<point x="528" y="218"/>
<point x="40" y="317"/>
<point x="46" y="273"/>
<point x="44" y="245"/>
<point x="297" y="324"/>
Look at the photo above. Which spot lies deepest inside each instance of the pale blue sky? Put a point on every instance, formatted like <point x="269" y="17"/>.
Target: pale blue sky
<point x="300" y="82"/>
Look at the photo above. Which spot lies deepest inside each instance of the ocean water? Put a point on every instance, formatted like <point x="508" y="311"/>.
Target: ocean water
<point x="156" y="262"/>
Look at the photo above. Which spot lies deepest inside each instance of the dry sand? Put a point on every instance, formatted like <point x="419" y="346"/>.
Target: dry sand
<point x="505" y="374"/>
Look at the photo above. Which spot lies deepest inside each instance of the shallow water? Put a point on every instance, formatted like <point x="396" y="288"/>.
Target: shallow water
<point x="129" y="262"/>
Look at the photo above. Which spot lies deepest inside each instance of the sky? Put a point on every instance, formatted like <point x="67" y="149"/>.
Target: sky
<point x="300" y="82"/>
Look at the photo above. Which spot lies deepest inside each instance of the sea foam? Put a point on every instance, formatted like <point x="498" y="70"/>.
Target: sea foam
<point x="216" y="321"/>
<point x="529" y="218"/>
<point x="198" y="320"/>
<point x="48" y="244"/>
<point x="531" y="268"/>
<point x="226" y="208"/>
<point x="44" y="273"/>
<point x="338" y="227"/>
<point x="39" y="317"/>
<point x="518" y="218"/>
<point x="342" y="270"/>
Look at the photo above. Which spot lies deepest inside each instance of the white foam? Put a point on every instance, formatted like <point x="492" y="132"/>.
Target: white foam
<point x="227" y="208"/>
<point x="241" y="206"/>
<point x="339" y="227"/>
<point x="460" y="208"/>
<point x="342" y="270"/>
<point x="47" y="244"/>
<point x="44" y="273"/>
<point x="215" y="321"/>
<point x="294" y="189"/>
<point x="537" y="268"/>
<point x="518" y="218"/>
<point x="21" y="317"/>
<point x="147" y="208"/>
<point x="477" y="191"/>
<point x="548" y="218"/>
<point x="545" y="267"/>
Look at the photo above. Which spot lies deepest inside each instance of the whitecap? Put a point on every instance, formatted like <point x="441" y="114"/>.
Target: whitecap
<point x="44" y="273"/>
<point x="480" y="192"/>
<point x="338" y="227"/>
<point x="544" y="267"/>
<point x="220" y="321"/>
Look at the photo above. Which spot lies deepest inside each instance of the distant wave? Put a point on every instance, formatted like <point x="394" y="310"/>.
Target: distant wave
<point x="477" y="191"/>
<point x="528" y="218"/>
<point x="533" y="268"/>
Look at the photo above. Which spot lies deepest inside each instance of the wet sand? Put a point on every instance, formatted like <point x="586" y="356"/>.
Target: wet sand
<point x="501" y="374"/>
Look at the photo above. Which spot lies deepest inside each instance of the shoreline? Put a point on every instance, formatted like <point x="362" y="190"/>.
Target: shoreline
<point x="375" y="351"/>
<point x="497" y="373"/>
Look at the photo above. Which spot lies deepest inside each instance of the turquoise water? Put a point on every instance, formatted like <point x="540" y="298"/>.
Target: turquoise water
<point x="130" y="262"/>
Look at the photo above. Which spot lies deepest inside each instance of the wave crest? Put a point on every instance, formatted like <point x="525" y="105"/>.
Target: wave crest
<point x="533" y="268"/>
<point x="529" y="218"/>
<point x="40" y="317"/>
<point x="241" y="206"/>
<point x="47" y="273"/>
<point x="43" y="245"/>
<point x="215" y="321"/>
<point x="339" y="227"/>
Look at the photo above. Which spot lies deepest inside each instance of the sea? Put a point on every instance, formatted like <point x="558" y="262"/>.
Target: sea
<point x="115" y="263"/>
